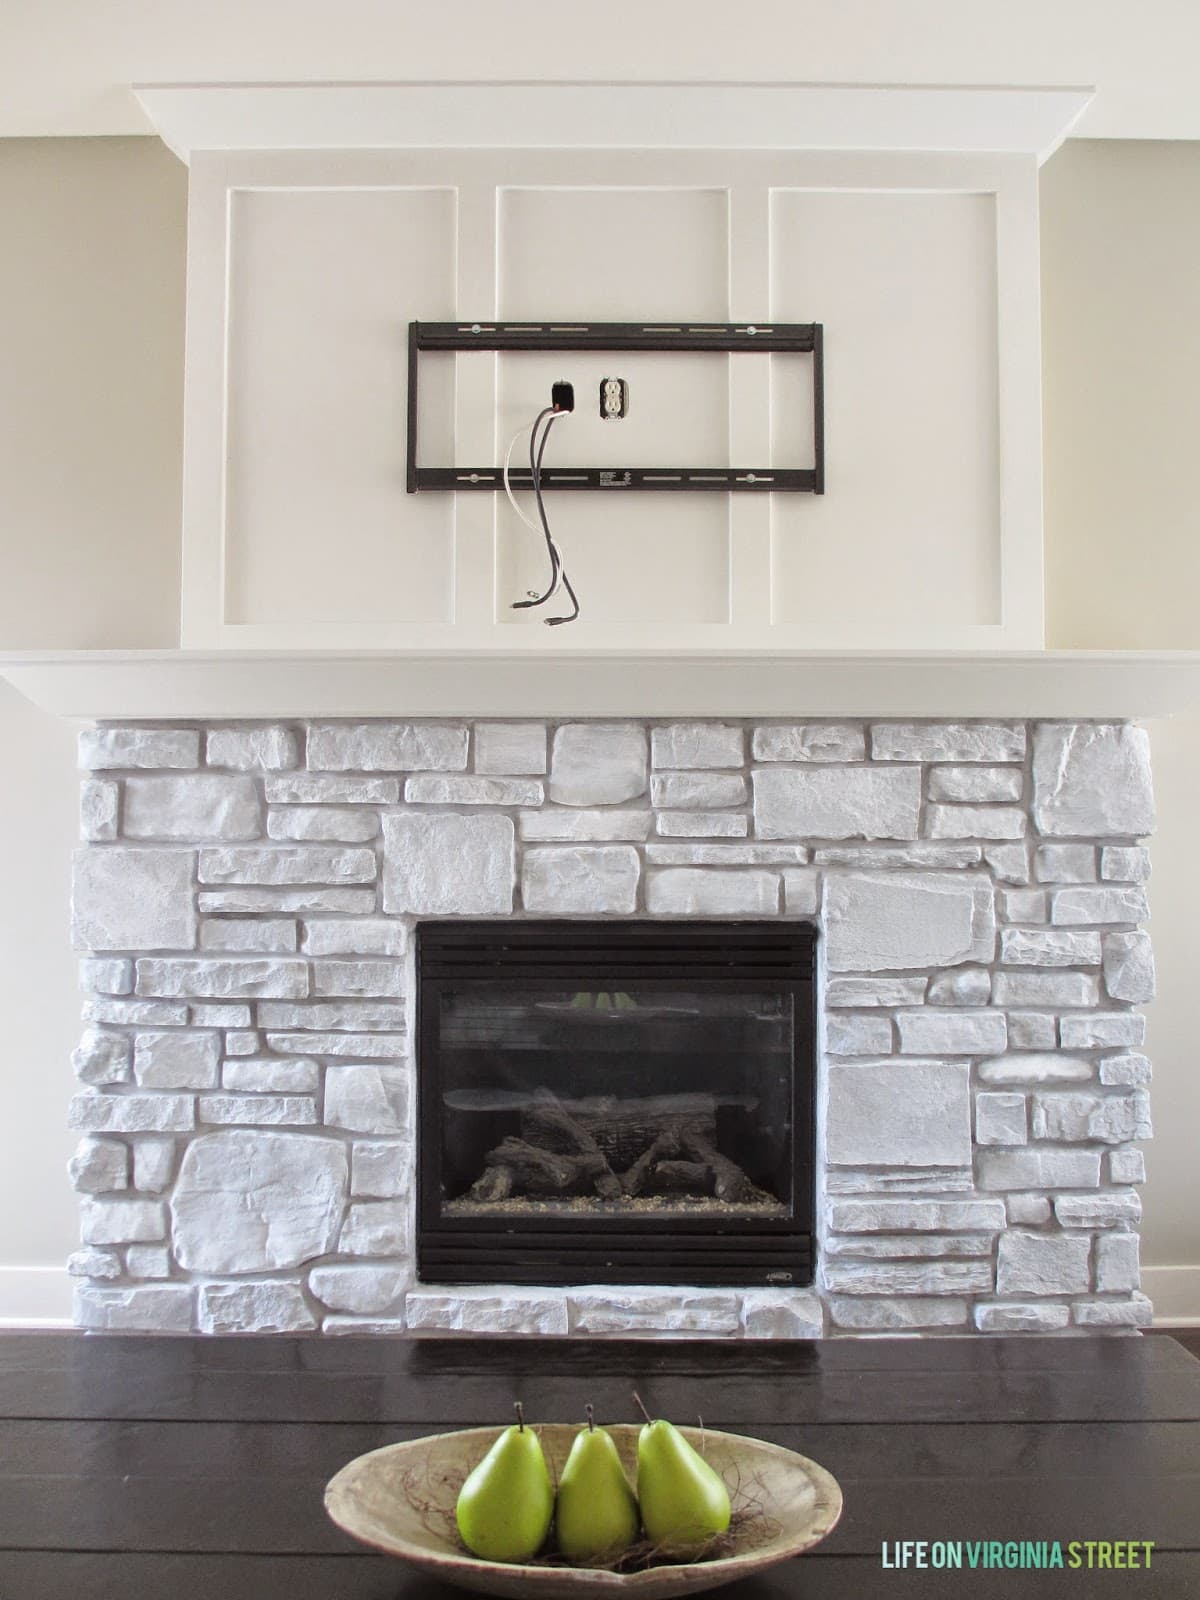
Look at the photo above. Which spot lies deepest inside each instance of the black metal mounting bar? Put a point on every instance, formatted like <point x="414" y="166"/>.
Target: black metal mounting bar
<point x="774" y="338"/>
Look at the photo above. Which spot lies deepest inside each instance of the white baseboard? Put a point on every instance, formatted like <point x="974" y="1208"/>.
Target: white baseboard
<point x="1175" y="1292"/>
<point x="35" y="1297"/>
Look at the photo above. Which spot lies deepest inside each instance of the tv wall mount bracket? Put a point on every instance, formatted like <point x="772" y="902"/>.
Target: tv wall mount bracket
<point x="775" y="338"/>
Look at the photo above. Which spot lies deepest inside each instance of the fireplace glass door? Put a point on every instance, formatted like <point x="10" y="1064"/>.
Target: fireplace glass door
<point x="615" y="1102"/>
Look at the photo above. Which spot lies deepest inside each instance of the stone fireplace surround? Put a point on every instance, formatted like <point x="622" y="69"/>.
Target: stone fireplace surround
<point x="246" y="898"/>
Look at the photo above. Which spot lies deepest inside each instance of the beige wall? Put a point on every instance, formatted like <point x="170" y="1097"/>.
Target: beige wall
<point x="91" y="326"/>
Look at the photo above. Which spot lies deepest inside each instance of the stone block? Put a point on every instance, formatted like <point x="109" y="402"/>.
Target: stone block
<point x="1102" y="1030"/>
<point x="908" y="1277"/>
<point x="182" y="978"/>
<point x="377" y="1228"/>
<point x="597" y="763"/>
<point x="1098" y="903"/>
<point x="510" y="748"/>
<point x="963" y="1033"/>
<point x="368" y="936"/>
<point x="375" y="1046"/>
<point x="93" y="1263"/>
<point x="387" y="747"/>
<point x="702" y="824"/>
<point x="947" y="741"/>
<point x="899" y="1114"/>
<point x="858" y="1036"/>
<point x="148" y="1261"/>
<point x="364" y="1290"/>
<point x="367" y="1098"/>
<point x="281" y="864"/>
<point x="199" y="806"/>
<point x="1065" y="863"/>
<point x="1024" y="905"/>
<point x="975" y="822"/>
<point x="1029" y="947"/>
<point x="810" y="741"/>
<point x="1129" y="966"/>
<point x="1112" y="1208"/>
<point x="319" y="788"/>
<point x="1117" y="1268"/>
<point x="697" y="744"/>
<point x="1091" y="780"/>
<point x="1000" y="1119"/>
<point x="220" y="1014"/>
<point x="381" y="1169"/>
<point x="99" y="808"/>
<point x="267" y="1306"/>
<point x="99" y="1166"/>
<point x="897" y="857"/>
<point x="323" y="824"/>
<point x="132" y="1113"/>
<point x="268" y="749"/>
<point x="975" y="785"/>
<point x="269" y="1075"/>
<point x="428" y="789"/>
<point x="1031" y="1030"/>
<point x="1009" y="862"/>
<point x="104" y="748"/>
<point x="137" y="1013"/>
<point x="132" y="898"/>
<point x="698" y="791"/>
<point x="908" y="1246"/>
<point x="102" y="1057"/>
<point x="121" y="1221"/>
<point x="258" y="1201"/>
<point x="566" y="880"/>
<point x="629" y="1310"/>
<point x="860" y="992"/>
<point x="961" y="986"/>
<point x="706" y="892"/>
<point x="1126" y="1166"/>
<point x="1045" y="989"/>
<point x="1017" y="1316"/>
<point x="1035" y="1066"/>
<point x="448" y="865"/>
<point x="1105" y="1119"/>
<point x="242" y="1042"/>
<point x="258" y="1110"/>
<point x="357" y="977"/>
<point x="801" y="892"/>
<point x="486" y="1311"/>
<point x="153" y="1164"/>
<point x="177" y="1059"/>
<point x="1042" y="1263"/>
<point x="348" y="1014"/>
<point x="896" y="1315"/>
<point x="898" y="1180"/>
<point x="1136" y="1312"/>
<point x="1131" y="1070"/>
<point x="149" y="1308"/>
<point x="361" y="1327"/>
<point x="916" y="1216"/>
<point x="837" y="802"/>
<point x="1027" y="1210"/>
<point x="882" y="921"/>
<point x="1127" y="864"/>
<point x="241" y="935"/>
<point x="584" y="825"/>
<point x="254" y="899"/>
<point x="781" y="1314"/>
<point x="1038" y="1168"/>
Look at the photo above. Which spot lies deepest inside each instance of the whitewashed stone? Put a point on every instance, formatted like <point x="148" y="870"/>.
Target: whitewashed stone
<point x="1027" y="1210"/>
<point x="1090" y="780"/>
<point x="858" y="1036"/>
<point x="781" y="1314"/>
<point x="1117" y="1268"/>
<point x="1136" y="1312"/>
<point x="271" y="749"/>
<point x="148" y="1261"/>
<point x="268" y="1075"/>
<point x="377" y="1228"/>
<point x="1108" y="1119"/>
<point x="376" y="1046"/>
<point x="357" y="977"/>
<point x="908" y="1277"/>
<point x="1131" y="1070"/>
<point x="131" y="1113"/>
<point x="1035" y="1066"/>
<point x="1126" y="1166"/>
<point x="1028" y="947"/>
<point x="220" y="1014"/>
<point x="448" y="865"/>
<point x="1114" y="1208"/>
<point x="1128" y="864"/>
<point x="337" y="824"/>
<point x="585" y="825"/>
<point x="1129" y="966"/>
<point x="698" y="791"/>
<point x="153" y="1164"/>
<point x="101" y="748"/>
<point x="200" y="806"/>
<point x="257" y="1201"/>
<point x="238" y="935"/>
<point x="93" y="1263"/>
<point x="318" y="788"/>
<point x="878" y="922"/>
<point x="1045" y="989"/>
<point x="837" y="802"/>
<point x="255" y="899"/>
<point x="898" y="1180"/>
<point x="381" y="1169"/>
<point x="1009" y="862"/>
<point x="965" y="1033"/>
<point x="105" y="975"/>
<point x="1042" y="1263"/>
<point x="1023" y="905"/>
<point x="811" y="741"/>
<point x="359" y="1289"/>
<point x="386" y="747"/>
<point x="893" y="857"/>
<point x="130" y="898"/>
<point x="1103" y="1030"/>
<point x="531" y="1311"/>
<point x="136" y="1013"/>
<point x="1022" y="1317"/>
<point x="887" y="1315"/>
<point x="1097" y="903"/>
<point x="565" y="880"/>
<point x="242" y="1042"/>
<point x="512" y="748"/>
<point x="180" y="1059"/>
<point x="257" y="1110"/>
<point x="99" y="808"/>
<point x="184" y="978"/>
<point x="267" y="1306"/>
<point x="428" y="789"/>
<point x="99" y="1166"/>
<point x="961" y="986"/>
<point x="333" y="1014"/>
<point x="1000" y="1119"/>
<point x="288" y="864"/>
<point x="947" y="741"/>
<point x="597" y="763"/>
<point x="706" y="892"/>
<point x="121" y="1221"/>
<point x="874" y="992"/>
<point x="150" y="1308"/>
<point x="102" y="1057"/>
<point x="368" y="936"/>
<point x="365" y="1098"/>
<point x="908" y="1246"/>
<point x="1031" y="1030"/>
<point x="1033" y="1168"/>
<point x="697" y="744"/>
<point x="975" y="822"/>
<point x="633" y="1310"/>
<point x="362" y="1327"/>
<point x="802" y="892"/>
<point x="975" y="784"/>
<point x="899" y="1114"/>
<point x="1065" y="863"/>
<point x="702" y="824"/>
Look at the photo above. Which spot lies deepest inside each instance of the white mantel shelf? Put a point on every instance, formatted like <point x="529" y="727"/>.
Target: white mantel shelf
<point x="95" y="685"/>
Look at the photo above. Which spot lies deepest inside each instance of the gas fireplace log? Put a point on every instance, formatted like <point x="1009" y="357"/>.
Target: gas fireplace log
<point x="690" y="1177"/>
<point x="495" y="1184"/>
<point x="532" y="1170"/>
<point x="549" y="1118"/>
<point x="633" y="1181"/>
<point x="729" y="1181"/>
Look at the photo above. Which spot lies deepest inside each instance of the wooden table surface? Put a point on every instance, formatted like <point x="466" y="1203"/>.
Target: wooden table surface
<point x="133" y="1468"/>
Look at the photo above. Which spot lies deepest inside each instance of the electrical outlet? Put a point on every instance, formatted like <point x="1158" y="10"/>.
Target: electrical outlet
<point x="562" y="395"/>
<point x="614" y="399"/>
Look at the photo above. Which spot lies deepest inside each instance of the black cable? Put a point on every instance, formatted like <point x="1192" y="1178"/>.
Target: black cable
<point x="534" y="463"/>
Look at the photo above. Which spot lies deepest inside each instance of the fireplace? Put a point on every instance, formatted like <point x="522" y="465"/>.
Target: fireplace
<point x="615" y="1102"/>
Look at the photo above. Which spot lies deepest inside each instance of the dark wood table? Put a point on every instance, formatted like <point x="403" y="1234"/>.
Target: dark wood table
<point x="132" y="1468"/>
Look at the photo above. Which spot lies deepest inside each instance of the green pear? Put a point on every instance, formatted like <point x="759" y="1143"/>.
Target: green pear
<point x="505" y="1506"/>
<point x="596" y="1514"/>
<point x="684" y="1503"/>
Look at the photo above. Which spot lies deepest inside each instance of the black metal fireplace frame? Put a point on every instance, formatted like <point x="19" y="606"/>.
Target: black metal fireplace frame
<point x="732" y="956"/>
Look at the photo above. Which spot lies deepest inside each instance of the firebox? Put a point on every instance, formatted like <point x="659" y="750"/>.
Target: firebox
<point x="615" y="1102"/>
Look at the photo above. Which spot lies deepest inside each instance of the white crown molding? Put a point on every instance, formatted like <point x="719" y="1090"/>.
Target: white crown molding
<point x="673" y="116"/>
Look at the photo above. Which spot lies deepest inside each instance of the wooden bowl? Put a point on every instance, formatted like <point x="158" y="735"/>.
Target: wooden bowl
<point x="401" y="1500"/>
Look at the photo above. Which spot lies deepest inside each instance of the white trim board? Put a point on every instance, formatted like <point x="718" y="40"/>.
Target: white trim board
<point x="35" y="1297"/>
<point x="1175" y="1293"/>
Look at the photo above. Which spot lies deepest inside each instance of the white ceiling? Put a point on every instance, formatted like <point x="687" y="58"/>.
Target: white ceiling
<point x="66" y="65"/>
